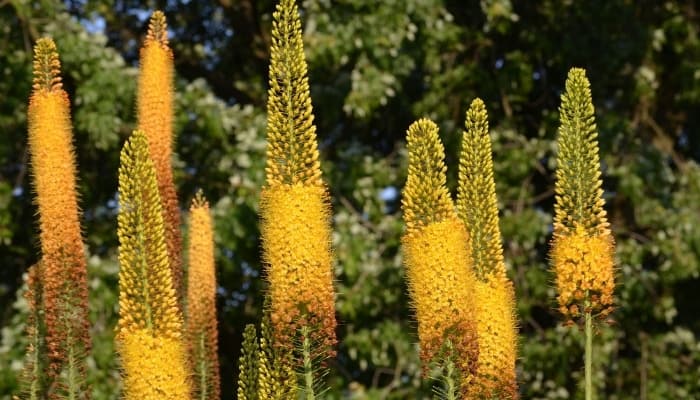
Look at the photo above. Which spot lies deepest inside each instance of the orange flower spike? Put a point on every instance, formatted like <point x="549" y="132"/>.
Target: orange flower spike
<point x="201" y="302"/>
<point x="155" y="119"/>
<point x="437" y="256"/>
<point x="582" y="252"/>
<point x="54" y="180"/>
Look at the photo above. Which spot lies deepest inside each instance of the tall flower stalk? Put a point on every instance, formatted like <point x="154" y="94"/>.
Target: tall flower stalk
<point x="64" y="271"/>
<point x="202" y="329"/>
<point x="150" y="328"/>
<point x="294" y="206"/>
<point x="478" y="208"/>
<point x="34" y="384"/>
<point x="438" y="264"/>
<point x="155" y="119"/>
<point x="582" y="251"/>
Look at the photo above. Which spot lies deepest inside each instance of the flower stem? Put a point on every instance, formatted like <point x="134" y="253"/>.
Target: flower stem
<point x="589" y="354"/>
<point x="308" y="369"/>
<point x="203" y="369"/>
<point x="450" y="383"/>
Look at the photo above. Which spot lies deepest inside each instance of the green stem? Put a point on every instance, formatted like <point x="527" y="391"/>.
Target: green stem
<point x="73" y="383"/>
<point x="450" y="384"/>
<point x="308" y="370"/>
<point x="449" y="371"/>
<point x="589" y="355"/>
<point x="35" y="387"/>
<point x="203" y="369"/>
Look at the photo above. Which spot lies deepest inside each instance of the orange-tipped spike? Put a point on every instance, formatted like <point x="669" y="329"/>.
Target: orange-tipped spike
<point x="201" y="302"/>
<point x="64" y="263"/>
<point x="155" y="119"/>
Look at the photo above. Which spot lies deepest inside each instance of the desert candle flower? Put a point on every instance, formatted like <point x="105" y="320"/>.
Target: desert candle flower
<point x="150" y="328"/>
<point x="64" y="270"/>
<point x="155" y="119"/>
<point x="294" y="205"/>
<point x="478" y="208"/>
<point x="437" y="257"/>
<point x="202" y="332"/>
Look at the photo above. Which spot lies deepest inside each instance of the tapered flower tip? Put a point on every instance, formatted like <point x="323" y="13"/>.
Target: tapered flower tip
<point x="154" y="367"/>
<point x="578" y="189"/>
<point x="425" y="198"/>
<point x="584" y="267"/>
<point x="577" y="81"/>
<point x="199" y="201"/>
<point x="158" y="28"/>
<point x="477" y="117"/>
<point x="46" y="65"/>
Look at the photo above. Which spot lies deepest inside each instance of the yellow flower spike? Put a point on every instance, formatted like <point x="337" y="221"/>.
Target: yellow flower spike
<point x="296" y="239"/>
<point x="155" y="119"/>
<point x="149" y="330"/>
<point x="436" y="255"/>
<point x="201" y="302"/>
<point x="54" y="180"/>
<point x="152" y="370"/>
<point x="294" y="205"/>
<point x="582" y="251"/>
<point x="147" y="297"/>
<point x="292" y="152"/>
<point x="478" y="208"/>
<point x="583" y="246"/>
<point x="498" y="340"/>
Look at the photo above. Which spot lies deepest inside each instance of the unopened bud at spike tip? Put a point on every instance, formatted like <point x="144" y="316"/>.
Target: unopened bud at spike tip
<point x="158" y="28"/>
<point x="47" y="66"/>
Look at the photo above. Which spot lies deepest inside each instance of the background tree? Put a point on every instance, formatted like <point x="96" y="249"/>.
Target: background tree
<point x="375" y="67"/>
